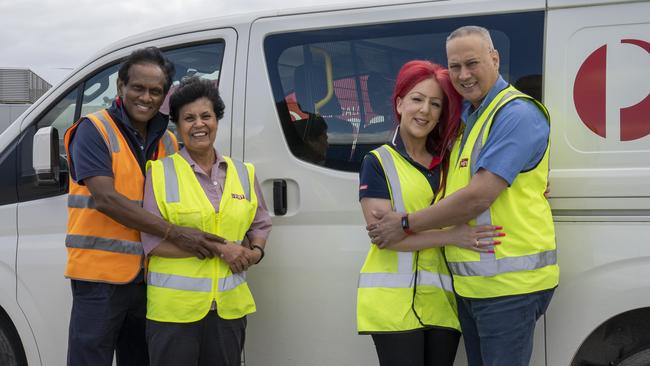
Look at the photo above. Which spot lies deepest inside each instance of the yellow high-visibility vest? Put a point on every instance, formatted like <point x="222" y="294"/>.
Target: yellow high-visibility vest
<point x="181" y="290"/>
<point x="401" y="291"/>
<point x="525" y="262"/>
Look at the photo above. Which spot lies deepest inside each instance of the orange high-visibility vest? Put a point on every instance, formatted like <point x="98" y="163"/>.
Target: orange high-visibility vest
<point x="99" y="248"/>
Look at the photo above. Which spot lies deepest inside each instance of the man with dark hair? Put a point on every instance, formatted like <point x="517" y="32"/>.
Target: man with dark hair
<point x="107" y="152"/>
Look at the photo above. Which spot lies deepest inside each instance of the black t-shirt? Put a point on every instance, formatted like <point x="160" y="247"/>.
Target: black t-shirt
<point x="372" y="179"/>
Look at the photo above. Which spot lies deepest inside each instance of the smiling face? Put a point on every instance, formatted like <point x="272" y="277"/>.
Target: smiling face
<point x="473" y="66"/>
<point x="143" y="95"/>
<point x="197" y="125"/>
<point x="420" y="109"/>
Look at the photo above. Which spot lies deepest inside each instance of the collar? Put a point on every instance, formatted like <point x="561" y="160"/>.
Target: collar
<point x="468" y="109"/>
<point x="397" y="144"/>
<point x="186" y="155"/>
<point x="156" y="125"/>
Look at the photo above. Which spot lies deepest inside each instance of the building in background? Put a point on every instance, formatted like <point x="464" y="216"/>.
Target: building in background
<point x="19" y="88"/>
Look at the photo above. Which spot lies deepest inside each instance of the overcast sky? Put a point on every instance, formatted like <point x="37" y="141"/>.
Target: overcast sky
<point x="51" y="37"/>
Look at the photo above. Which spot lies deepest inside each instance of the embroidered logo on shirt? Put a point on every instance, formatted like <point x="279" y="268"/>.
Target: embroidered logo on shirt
<point x="238" y="196"/>
<point x="463" y="163"/>
<point x="362" y="187"/>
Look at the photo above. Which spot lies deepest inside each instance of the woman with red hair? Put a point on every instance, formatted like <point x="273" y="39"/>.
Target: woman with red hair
<point x="405" y="298"/>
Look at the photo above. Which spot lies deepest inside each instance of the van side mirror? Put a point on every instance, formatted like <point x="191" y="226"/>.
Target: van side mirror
<point x="45" y="156"/>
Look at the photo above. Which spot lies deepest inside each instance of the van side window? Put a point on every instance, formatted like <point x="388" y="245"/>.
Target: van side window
<point x="98" y="92"/>
<point x="333" y="87"/>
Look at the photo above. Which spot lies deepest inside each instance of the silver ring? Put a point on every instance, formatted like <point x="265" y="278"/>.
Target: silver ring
<point x="476" y="244"/>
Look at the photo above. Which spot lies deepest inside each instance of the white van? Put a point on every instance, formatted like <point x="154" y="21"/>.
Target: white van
<point x="281" y="73"/>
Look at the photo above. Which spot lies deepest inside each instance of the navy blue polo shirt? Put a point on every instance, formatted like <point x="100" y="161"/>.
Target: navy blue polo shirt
<point x="89" y="153"/>
<point x="372" y="179"/>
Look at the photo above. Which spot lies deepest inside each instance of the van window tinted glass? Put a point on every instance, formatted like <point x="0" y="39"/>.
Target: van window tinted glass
<point x="98" y="92"/>
<point x="332" y="87"/>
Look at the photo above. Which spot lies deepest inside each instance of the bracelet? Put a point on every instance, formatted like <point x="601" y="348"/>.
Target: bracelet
<point x="405" y="225"/>
<point x="169" y="229"/>
<point x="261" y="251"/>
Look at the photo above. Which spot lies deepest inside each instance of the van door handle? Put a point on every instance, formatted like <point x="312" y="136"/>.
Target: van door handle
<point x="279" y="197"/>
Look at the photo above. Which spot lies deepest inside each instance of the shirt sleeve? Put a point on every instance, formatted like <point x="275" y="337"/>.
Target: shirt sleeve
<point x="517" y="141"/>
<point x="150" y="242"/>
<point x="89" y="154"/>
<point x="261" y="225"/>
<point x="372" y="179"/>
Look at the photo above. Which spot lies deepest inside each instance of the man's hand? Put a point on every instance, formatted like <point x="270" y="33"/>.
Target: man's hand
<point x="195" y="241"/>
<point x="387" y="230"/>
<point x="238" y="257"/>
<point x="255" y="255"/>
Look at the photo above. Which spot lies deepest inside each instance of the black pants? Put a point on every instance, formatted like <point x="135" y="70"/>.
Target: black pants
<point x="430" y="347"/>
<point x="209" y="341"/>
<point x="105" y="319"/>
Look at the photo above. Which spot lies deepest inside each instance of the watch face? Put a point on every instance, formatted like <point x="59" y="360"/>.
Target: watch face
<point x="405" y="222"/>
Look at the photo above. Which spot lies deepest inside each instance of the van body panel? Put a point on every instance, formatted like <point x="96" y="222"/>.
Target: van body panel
<point x="305" y="288"/>
<point x="599" y="175"/>
<point x="597" y="149"/>
<point x="553" y="4"/>
<point x="605" y="267"/>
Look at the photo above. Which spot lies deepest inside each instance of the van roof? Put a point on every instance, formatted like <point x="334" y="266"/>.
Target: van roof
<point x="232" y="20"/>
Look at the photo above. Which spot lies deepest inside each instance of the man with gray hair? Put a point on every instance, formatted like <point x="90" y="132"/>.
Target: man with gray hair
<point x="498" y="173"/>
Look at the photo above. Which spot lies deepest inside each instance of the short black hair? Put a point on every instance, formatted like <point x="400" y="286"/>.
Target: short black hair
<point x="192" y="89"/>
<point x="149" y="55"/>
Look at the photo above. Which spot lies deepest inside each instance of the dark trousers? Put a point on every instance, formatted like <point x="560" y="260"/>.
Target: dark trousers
<point x="430" y="347"/>
<point x="108" y="319"/>
<point x="500" y="331"/>
<point x="209" y="341"/>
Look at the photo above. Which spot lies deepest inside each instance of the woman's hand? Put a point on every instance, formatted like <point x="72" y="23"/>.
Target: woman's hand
<point x="476" y="238"/>
<point x="238" y="257"/>
<point x="387" y="229"/>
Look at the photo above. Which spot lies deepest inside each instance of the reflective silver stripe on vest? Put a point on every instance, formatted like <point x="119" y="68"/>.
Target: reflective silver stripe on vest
<point x="112" y="138"/>
<point x="109" y="245"/>
<point x="171" y="181"/>
<point x="404" y="259"/>
<point x="426" y="278"/>
<point x="242" y="172"/>
<point x="168" y="143"/>
<point x="387" y="280"/>
<point x="495" y="266"/>
<point x="177" y="282"/>
<point x="405" y="280"/>
<point x="80" y="201"/>
<point x="232" y="281"/>
<point x="485" y="217"/>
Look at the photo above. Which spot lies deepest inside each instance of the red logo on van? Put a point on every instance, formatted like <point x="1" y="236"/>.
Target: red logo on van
<point x="589" y="97"/>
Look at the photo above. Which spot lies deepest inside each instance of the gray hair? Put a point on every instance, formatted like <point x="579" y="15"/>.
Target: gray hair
<point x="472" y="29"/>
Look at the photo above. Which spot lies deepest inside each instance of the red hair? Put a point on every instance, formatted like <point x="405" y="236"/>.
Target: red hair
<point x="440" y="140"/>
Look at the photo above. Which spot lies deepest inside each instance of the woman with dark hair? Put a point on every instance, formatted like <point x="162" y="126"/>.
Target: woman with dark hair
<point x="405" y="296"/>
<point x="196" y="308"/>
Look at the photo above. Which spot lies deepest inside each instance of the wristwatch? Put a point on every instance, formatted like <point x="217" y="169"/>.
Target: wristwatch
<point x="405" y="224"/>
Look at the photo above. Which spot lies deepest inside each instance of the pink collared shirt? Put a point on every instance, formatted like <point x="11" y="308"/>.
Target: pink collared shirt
<point x="213" y="188"/>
